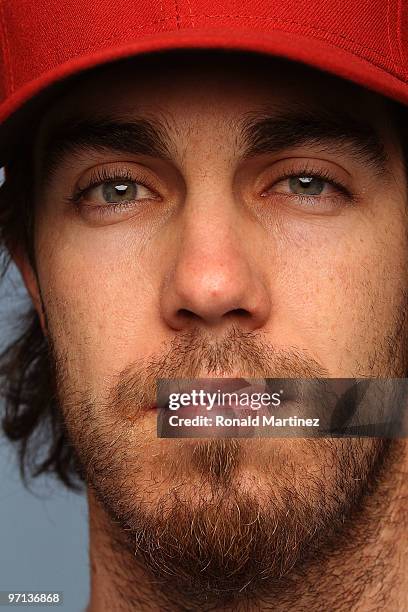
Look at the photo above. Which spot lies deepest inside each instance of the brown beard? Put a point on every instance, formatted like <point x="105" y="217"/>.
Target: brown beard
<point x="215" y="537"/>
<point x="228" y="546"/>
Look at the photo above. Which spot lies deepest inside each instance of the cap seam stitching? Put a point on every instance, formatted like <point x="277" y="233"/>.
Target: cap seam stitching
<point x="190" y="10"/>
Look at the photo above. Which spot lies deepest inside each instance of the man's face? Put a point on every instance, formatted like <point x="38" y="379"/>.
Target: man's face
<point x="218" y="218"/>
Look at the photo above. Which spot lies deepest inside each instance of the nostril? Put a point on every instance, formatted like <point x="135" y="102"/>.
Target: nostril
<point x="187" y="314"/>
<point x="241" y="312"/>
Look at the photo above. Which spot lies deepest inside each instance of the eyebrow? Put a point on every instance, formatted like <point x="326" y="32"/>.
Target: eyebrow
<point x="258" y="134"/>
<point x="322" y="127"/>
<point x="137" y="137"/>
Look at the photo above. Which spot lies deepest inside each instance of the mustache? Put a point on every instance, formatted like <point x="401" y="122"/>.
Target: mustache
<point x="194" y="354"/>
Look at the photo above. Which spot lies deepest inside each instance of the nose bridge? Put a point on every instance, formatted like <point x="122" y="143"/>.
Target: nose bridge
<point x="210" y="222"/>
<point x="211" y="228"/>
<point x="211" y="257"/>
<point x="213" y="277"/>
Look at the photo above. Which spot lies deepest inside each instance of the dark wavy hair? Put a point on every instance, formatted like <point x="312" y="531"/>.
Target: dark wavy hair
<point x="32" y="419"/>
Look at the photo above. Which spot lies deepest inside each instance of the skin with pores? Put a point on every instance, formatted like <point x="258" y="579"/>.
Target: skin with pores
<point x="231" y="257"/>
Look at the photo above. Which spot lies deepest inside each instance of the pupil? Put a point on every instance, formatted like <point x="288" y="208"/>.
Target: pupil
<point x="306" y="185"/>
<point x="119" y="192"/>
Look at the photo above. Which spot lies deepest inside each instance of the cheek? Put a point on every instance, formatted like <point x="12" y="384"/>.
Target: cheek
<point x="100" y="305"/>
<point x="339" y="293"/>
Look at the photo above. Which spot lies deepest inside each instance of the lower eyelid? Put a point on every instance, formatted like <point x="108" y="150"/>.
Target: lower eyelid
<point x="305" y="203"/>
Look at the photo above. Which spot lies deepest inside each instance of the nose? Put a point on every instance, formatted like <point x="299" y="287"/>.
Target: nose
<point x="215" y="277"/>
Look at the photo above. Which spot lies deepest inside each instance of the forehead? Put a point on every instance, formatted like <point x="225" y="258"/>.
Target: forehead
<point x="188" y="89"/>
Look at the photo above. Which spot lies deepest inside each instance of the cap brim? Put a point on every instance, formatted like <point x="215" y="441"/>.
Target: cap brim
<point x="16" y="111"/>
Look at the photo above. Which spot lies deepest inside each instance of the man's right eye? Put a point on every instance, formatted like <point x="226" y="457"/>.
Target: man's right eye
<point x="115" y="192"/>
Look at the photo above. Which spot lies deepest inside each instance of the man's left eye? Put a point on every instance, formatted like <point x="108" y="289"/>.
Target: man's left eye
<point x="303" y="185"/>
<point x="306" y="185"/>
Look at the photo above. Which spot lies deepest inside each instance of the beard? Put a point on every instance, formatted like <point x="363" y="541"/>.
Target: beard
<point x="215" y="522"/>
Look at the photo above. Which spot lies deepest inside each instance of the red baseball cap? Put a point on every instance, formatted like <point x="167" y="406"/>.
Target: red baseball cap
<point x="45" y="41"/>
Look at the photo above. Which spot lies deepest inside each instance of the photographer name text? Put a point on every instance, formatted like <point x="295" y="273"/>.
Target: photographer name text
<point x="247" y="421"/>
